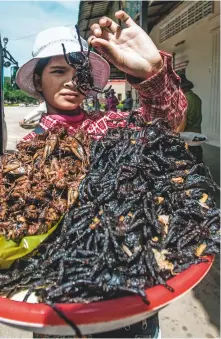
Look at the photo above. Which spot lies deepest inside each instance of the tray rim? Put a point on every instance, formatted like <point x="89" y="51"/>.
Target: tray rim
<point x="21" y="314"/>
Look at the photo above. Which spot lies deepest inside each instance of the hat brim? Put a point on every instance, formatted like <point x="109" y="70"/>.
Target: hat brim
<point x="25" y="75"/>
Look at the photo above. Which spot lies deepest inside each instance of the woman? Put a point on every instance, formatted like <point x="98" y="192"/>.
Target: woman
<point x="112" y="101"/>
<point x="48" y="76"/>
<point x="193" y="120"/>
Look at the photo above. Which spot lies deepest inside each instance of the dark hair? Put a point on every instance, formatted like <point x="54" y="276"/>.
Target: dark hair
<point x="42" y="63"/>
<point x="185" y="83"/>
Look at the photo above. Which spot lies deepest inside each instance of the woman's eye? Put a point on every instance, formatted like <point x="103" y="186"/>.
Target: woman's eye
<point x="58" y="71"/>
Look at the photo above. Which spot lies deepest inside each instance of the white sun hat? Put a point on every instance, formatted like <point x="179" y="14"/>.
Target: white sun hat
<point x="48" y="43"/>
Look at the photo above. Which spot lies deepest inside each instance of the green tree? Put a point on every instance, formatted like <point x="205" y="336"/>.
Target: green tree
<point x="16" y="96"/>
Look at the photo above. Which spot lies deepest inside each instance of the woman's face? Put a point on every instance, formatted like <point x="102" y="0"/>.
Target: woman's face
<point x="57" y="87"/>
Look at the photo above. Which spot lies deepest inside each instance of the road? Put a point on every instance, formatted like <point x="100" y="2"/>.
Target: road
<point x="15" y="133"/>
<point x="195" y="315"/>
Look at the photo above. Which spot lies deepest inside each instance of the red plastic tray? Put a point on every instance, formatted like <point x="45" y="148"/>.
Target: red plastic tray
<point x="100" y="316"/>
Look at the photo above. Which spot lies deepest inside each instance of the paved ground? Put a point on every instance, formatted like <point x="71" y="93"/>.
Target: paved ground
<point x="12" y="116"/>
<point x="195" y="315"/>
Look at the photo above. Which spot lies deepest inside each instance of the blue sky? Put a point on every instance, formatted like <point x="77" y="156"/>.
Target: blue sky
<point x="26" y="18"/>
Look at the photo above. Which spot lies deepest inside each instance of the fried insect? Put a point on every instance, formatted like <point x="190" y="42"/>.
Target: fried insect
<point x="83" y="79"/>
<point x="40" y="182"/>
<point x="134" y="226"/>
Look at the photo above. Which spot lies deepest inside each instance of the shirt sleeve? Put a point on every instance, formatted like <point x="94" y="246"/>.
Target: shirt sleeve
<point x="194" y="107"/>
<point x="189" y="108"/>
<point x="160" y="95"/>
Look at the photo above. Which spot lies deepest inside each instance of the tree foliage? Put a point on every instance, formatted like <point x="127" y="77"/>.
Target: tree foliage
<point x="16" y="96"/>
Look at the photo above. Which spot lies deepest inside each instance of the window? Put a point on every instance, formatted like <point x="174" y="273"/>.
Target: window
<point x="191" y="15"/>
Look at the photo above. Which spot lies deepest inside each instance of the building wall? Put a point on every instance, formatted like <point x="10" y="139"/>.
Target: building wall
<point x="201" y="49"/>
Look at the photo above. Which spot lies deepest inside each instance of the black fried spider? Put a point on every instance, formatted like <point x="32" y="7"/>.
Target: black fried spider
<point x="83" y="79"/>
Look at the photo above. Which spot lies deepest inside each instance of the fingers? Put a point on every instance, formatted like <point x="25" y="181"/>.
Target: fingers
<point x="106" y="28"/>
<point x="96" y="30"/>
<point x="103" y="47"/>
<point x="99" y="32"/>
<point x="107" y="22"/>
<point x="98" y="43"/>
<point x="89" y="41"/>
<point x="105" y="25"/>
<point x="125" y="18"/>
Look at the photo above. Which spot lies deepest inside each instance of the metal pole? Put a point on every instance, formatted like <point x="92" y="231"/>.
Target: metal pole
<point x="1" y="101"/>
<point x="144" y="15"/>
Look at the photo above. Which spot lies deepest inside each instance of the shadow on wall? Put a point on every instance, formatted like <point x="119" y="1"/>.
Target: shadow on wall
<point x="208" y="291"/>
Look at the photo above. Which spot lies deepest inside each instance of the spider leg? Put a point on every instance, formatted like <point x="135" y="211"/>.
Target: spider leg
<point x="66" y="56"/>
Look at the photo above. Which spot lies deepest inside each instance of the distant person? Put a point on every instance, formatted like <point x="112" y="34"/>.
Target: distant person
<point x="192" y="121"/>
<point x="85" y="105"/>
<point x="97" y="104"/>
<point x="32" y="119"/>
<point x="128" y="102"/>
<point x="112" y="101"/>
<point x="106" y="100"/>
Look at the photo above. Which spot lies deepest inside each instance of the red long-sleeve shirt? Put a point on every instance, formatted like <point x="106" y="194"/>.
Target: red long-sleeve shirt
<point x="160" y="97"/>
<point x="112" y="103"/>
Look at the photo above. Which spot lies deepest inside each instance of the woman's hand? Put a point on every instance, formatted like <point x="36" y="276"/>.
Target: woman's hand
<point x="130" y="49"/>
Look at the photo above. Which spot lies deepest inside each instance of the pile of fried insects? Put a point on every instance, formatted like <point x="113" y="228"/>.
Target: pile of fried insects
<point x="39" y="182"/>
<point x="145" y="213"/>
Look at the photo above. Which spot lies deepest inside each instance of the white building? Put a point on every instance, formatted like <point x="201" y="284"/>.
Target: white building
<point x="192" y="32"/>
